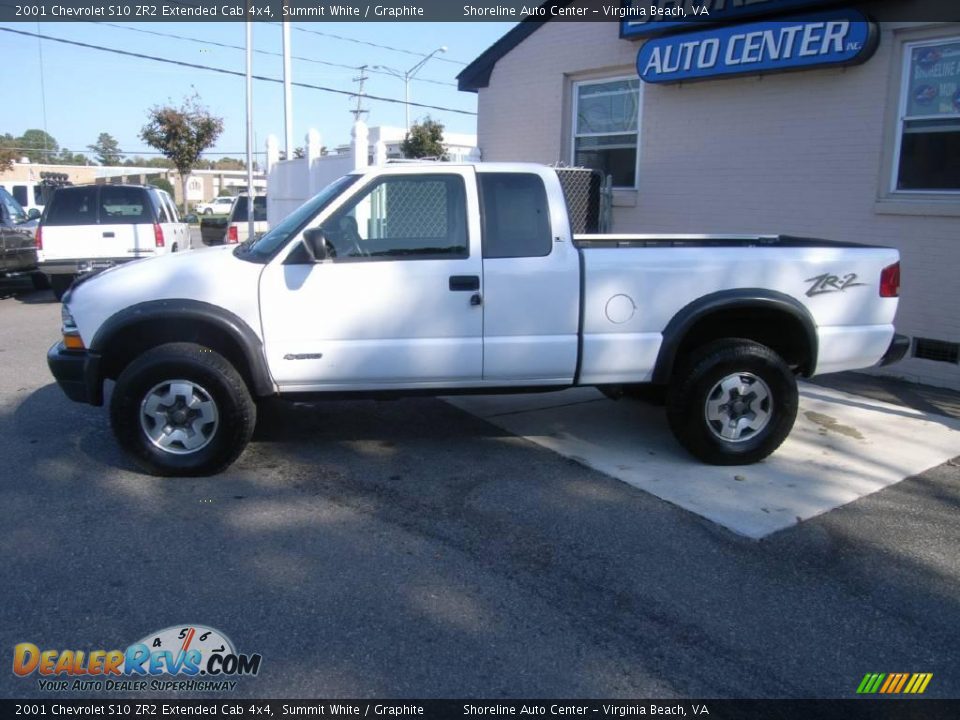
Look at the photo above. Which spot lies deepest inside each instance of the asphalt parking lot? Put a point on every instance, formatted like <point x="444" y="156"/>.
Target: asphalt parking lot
<point x="409" y="549"/>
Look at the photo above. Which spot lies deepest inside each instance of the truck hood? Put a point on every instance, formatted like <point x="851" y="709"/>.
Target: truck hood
<point x="213" y="276"/>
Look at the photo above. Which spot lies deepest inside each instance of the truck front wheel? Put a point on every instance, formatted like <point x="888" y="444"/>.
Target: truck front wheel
<point x="182" y="409"/>
<point x="733" y="403"/>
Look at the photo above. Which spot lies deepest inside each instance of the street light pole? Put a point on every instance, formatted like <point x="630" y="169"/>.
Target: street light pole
<point x="407" y="76"/>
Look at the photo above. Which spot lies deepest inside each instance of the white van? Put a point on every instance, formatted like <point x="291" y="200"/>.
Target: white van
<point x="28" y="193"/>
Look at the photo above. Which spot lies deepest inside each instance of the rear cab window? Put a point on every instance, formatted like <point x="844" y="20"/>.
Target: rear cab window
<point x="239" y="213"/>
<point x="101" y="204"/>
<point x="72" y="206"/>
<point x="515" y="214"/>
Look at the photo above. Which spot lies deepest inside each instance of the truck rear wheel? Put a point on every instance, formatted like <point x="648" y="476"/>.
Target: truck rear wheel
<point x="733" y="403"/>
<point x="182" y="409"/>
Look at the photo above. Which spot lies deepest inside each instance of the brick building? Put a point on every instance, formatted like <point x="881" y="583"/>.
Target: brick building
<point x="865" y="153"/>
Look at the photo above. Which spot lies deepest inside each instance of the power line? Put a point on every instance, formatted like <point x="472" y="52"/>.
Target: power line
<point x="373" y="44"/>
<point x="261" y="52"/>
<point x="235" y="73"/>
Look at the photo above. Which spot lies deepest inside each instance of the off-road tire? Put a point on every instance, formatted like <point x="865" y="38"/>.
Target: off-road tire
<point x="236" y="410"/>
<point x="691" y="388"/>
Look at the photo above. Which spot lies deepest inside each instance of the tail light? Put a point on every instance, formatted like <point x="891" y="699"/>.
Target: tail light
<point x="158" y="235"/>
<point x="38" y="239"/>
<point x="232" y="234"/>
<point x="890" y="281"/>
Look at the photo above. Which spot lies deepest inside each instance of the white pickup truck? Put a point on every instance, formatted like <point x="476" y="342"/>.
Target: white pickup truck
<point x="447" y="279"/>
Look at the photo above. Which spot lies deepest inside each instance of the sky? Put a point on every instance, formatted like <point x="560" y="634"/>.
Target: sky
<point x="76" y="93"/>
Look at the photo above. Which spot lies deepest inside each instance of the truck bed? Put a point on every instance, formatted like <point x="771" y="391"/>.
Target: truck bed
<point x="660" y="240"/>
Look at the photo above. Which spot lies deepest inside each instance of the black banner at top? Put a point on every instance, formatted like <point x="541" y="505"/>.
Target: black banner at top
<point x="234" y="708"/>
<point x="668" y="11"/>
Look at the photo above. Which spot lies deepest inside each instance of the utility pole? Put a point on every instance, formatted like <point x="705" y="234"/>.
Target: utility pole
<point x="359" y="109"/>
<point x="250" y="192"/>
<point x="287" y="93"/>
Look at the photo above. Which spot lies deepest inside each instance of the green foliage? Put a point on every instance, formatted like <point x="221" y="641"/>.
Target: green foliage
<point x="182" y="133"/>
<point x="162" y="183"/>
<point x="157" y="162"/>
<point x="38" y="146"/>
<point x="224" y="192"/>
<point x="69" y="158"/>
<point x="425" y="139"/>
<point x="106" y="150"/>
<point x="7" y="155"/>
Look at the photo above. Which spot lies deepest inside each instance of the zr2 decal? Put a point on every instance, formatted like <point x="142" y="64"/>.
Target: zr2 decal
<point x="828" y="283"/>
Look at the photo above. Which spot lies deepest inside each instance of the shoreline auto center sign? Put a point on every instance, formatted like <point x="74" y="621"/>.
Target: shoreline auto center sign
<point x="831" y="38"/>
<point x="654" y="16"/>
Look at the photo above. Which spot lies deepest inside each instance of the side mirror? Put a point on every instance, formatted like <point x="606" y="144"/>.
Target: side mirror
<point x="33" y="214"/>
<point x="315" y="244"/>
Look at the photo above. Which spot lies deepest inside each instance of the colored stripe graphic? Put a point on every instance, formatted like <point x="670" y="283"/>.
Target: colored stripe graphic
<point x="894" y="683"/>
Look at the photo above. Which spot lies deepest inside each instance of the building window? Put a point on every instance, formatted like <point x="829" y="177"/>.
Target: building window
<point x="928" y="147"/>
<point x="606" y="117"/>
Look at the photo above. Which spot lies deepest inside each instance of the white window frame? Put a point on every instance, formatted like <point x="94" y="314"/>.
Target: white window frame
<point x="908" y="48"/>
<point x="575" y="101"/>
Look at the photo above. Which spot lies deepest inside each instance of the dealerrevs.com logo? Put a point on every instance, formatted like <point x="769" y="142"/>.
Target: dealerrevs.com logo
<point x="200" y="657"/>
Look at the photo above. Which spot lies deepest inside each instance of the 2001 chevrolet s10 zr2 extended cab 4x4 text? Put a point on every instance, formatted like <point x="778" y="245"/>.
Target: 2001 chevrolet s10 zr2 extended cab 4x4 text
<point x="445" y="278"/>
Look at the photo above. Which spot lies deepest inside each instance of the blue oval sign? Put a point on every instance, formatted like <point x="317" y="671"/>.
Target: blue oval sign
<point x="835" y="38"/>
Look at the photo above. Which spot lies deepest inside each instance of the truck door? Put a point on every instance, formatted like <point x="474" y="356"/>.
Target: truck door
<point x="393" y="305"/>
<point x="531" y="278"/>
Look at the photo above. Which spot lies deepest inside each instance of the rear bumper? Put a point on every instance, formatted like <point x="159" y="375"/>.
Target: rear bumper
<point x="81" y="266"/>
<point x="77" y="374"/>
<point x="898" y="348"/>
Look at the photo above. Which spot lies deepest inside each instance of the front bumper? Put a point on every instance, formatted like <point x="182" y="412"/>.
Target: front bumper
<point x="898" y="348"/>
<point x="77" y="373"/>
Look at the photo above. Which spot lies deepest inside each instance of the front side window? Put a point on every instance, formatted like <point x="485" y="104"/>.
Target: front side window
<point x="606" y="128"/>
<point x="12" y="207"/>
<point x="929" y="127"/>
<point x="421" y="216"/>
<point x="20" y="194"/>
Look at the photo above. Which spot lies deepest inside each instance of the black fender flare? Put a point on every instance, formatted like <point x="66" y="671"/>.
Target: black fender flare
<point x="173" y="310"/>
<point x="746" y="299"/>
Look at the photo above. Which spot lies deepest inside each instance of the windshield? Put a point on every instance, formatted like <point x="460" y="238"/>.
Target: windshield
<point x="266" y="247"/>
<point x="14" y="209"/>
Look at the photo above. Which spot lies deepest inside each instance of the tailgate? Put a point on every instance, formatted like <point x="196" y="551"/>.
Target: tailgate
<point x="99" y="222"/>
<point x="97" y="241"/>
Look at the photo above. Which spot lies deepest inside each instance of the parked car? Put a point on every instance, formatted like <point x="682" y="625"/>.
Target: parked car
<point x="87" y="228"/>
<point x="28" y="193"/>
<point x="235" y="228"/>
<point x="468" y="278"/>
<point x="18" y="250"/>
<point x="213" y="229"/>
<point x="238" y="225"/>
<point x="217" y="206"/>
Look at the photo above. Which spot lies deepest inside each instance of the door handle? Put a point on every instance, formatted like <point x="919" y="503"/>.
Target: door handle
<point x="464" y="283"/>
<point x="108" y="234"/>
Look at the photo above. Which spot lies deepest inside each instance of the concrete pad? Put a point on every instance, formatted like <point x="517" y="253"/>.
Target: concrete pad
<point x="842" y="448"/>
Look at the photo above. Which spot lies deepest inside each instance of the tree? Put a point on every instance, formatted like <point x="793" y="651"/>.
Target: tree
<point x="182" y="134"/>
<point x="65" y="157"/>
<point x="8" y="156"/>
<point x="162" y="183"/>
<point x="425" y="139"/>
<point x="106" y="150"/>
<point x="39" y="146"/>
